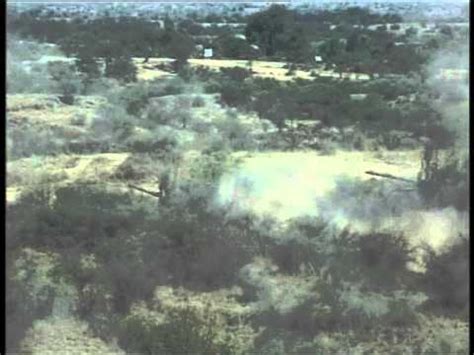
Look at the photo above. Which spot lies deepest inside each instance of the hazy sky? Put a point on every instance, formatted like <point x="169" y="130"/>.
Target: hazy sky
<point x="457" y="2"/>
<point x="240" y="1"/>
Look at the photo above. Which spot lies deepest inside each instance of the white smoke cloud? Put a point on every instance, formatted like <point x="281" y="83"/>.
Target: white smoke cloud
<point x="292" y="185"/>
<point x="448" y="76"/>
<point x="335" y="188"/>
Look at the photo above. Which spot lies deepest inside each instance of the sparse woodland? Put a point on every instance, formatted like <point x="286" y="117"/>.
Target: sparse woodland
<point x="117" y="236"/>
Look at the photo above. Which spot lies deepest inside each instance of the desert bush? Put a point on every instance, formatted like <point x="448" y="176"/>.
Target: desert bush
<point x="199" y="101"/>
<point x="235" y="94"/>
<point x="182" y="109"/>
<point x="33" y="270"/>
<point x="212" y="143"/>
<point x="328" y="147"/>
<point x="163" y="139"/>
<point x="53" y="211"/>
<point x="174" y="86"/>
<point x="21" y="49"/>
<point x="139" y="167"/>
<point x="18" y="314"/>
<point x="35" y="292"/>
<point x="174" y="111"/>
<point x="448" y="185"/>
<point x="182" y="321"/>
<point x="67" y="82"/>
<point x="113" y="122"/>
<point x="30" y="175"/>
<point x="159" y="114"/>
<point x="391" y="89"/>
<point x="202" y="127"/>
<point x="238" y="135"/>
<point x="375" y="262"/>
<point x="134" y="98"/>
<point x="24" y="77"/>
<point x="276" y="292"/>
<point x="440" y="336"/>
<point x="382" y="258"/>
<point x="88" y="145"/>
<point x="212" y="85"/>
<point x="101" y="86"/>
<point x="19" y="80"/>
<point x="209" y="167"/>
<point x="236" y="74"/>
<point x="446" y="279"/>
<point x="274" y="345"/>
<point x="122" y="69"/>
<point x="367" y="309"/>
<point x="410" y="32"/>
<point x="78" y="120"/>
<point x="28" y="141"/>
<point x="53" y="335"/>
<point x="89" y="67"/>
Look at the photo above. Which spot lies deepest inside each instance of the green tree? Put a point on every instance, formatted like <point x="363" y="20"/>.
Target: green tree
<point x="67" y="82"/>
<point x="447" y="31"/>
<point x="229" y="46"/>
<point x="179" y="46"/>
<point x="352" y="42"/>
<point x="295" y="44"/>
<point x="89" y="66"/>
<point x="264" y="27"/>
<point x="121" y="68"/>
<point x="235" y="94"/>
<point x="331" y="48"/>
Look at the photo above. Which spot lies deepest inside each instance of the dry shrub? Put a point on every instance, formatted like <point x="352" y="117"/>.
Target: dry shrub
<point x="199" y="101"/>
<point x="138" y="167"/>
<point x="56" y="335"/>
<point x="186" y="322"/>
<point x="28" y="141"/>
<point x="28" y="175"/>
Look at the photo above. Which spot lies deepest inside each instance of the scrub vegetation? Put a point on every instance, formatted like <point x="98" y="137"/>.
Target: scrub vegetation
<point x="259" y="202"/>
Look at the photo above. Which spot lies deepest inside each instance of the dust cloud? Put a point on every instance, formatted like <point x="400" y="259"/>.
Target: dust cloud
<point x="335" y="188"/>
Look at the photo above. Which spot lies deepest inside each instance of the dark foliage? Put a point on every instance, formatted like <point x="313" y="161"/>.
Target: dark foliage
<point x="447" y="279"/>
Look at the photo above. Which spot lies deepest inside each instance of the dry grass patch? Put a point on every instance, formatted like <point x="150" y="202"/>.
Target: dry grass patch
<point x="23" y="174"/>
<point x="41" y="110"/>
<point x="264" y="69"/>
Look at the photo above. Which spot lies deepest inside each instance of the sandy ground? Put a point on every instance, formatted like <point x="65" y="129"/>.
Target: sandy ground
<point x="146" y="71"/>
<point x="262" y="69"/>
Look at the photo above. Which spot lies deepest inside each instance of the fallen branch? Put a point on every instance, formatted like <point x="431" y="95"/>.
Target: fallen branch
<point x="154" y="194"/>
<point x="388" y="176"/>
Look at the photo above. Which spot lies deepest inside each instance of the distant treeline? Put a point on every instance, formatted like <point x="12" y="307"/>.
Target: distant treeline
<point x="279" y="33"/>
<point x="122" y="36"/>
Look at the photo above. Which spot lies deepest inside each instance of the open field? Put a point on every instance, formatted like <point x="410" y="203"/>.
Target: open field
<point x="264" y="69"/>
<point x="286" y="184"/>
